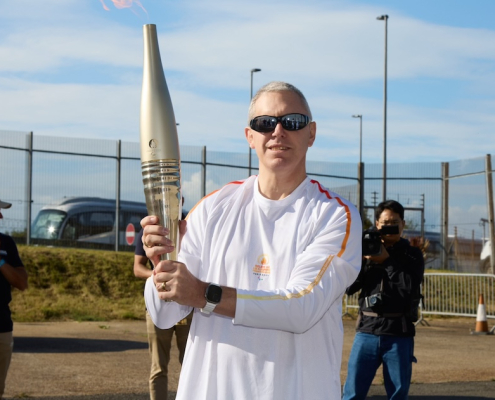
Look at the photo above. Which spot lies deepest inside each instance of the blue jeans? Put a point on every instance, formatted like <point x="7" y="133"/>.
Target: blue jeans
<point x="368" y="353"/>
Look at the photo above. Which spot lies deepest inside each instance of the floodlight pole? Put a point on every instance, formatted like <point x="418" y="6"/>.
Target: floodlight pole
<point x="384" y="18"/>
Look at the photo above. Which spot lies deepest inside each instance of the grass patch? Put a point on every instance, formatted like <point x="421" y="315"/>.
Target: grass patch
<point x="78" y="285"/>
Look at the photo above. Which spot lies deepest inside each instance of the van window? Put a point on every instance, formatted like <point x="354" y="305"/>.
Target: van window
<point x="47" y="224"/>
<point x="90" y="223"/>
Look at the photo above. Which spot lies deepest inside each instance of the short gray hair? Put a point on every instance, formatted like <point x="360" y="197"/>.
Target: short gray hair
<point x="277" y="86"/>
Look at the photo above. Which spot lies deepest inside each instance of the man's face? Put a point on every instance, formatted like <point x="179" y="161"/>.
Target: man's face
<point x="281" y="150"/>
<point x="388" y="217"/>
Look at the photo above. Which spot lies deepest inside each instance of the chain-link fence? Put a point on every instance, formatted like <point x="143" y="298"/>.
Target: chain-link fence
<point x="446" y="208"/>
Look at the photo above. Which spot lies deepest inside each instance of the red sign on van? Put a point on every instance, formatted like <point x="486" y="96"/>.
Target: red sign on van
<point x="130" y="234"/>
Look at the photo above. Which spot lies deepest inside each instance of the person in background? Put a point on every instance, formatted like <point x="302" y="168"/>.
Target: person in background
<point x="12" y="274"/>
<point x="159" y="340"/>
<point x="264" y="265"/>
<point x="390" y="293"/>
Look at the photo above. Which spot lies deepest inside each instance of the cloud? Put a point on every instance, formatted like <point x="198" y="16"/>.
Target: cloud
<point x="75" y="69"/>
<point x="48" y="49"/>
<point x="191" y="189"/>
<point x="104" y="111"/>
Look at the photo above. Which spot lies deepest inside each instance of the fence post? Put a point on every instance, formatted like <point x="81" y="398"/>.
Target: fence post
<point x="456" y="250"/>
<point x="29" y="187"/>
<point x="445" y="216"/>
<point x="117" y="196"/>
<point x="489" y="192"/>
<point x="360" y="192"/>
<point x="423" y="216"/>
<point x="203" y="174"/>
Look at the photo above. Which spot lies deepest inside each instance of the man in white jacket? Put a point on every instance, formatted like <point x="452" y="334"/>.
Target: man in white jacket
<point x="264" y="263"/>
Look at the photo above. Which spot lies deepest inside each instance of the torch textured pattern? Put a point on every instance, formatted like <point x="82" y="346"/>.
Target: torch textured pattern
<point x="160" y="158"/>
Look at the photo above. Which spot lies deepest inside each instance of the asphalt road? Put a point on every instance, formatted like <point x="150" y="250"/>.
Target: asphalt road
<point x="110" y="361"/>
<point x="432" y="391"/>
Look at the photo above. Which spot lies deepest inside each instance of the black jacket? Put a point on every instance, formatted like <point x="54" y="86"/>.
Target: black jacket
<point x="401" y="274"/>
<point x="8" y="245"/>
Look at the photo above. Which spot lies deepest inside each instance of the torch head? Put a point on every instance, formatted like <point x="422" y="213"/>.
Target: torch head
<point x="158" y="129"/>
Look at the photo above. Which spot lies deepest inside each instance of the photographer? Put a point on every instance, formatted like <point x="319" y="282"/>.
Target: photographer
<point x="389" y="284"/>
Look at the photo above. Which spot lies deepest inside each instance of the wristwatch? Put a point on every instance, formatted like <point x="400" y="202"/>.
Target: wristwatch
<point x="213" y="295"/>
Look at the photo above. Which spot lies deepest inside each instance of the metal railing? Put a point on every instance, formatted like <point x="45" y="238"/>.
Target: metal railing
<point x="449" y="294"/>
<point x="350" y="302"/>
<point x="458" y="294"/>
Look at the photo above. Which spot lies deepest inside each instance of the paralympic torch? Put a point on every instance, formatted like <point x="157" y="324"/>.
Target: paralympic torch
<point x="160" y="158"/>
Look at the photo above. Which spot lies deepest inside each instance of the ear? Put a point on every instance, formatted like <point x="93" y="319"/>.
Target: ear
<point x="249" y="136"/>
<point x="312" y="133"/>
<point x="376" y="225"/>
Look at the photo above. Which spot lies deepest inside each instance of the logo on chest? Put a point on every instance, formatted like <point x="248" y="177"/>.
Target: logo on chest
<point x="262" y="267"/>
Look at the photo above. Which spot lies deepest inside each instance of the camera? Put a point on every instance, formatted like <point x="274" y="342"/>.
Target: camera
<point x="373" y="301"/>
<point x="372" y="239"/>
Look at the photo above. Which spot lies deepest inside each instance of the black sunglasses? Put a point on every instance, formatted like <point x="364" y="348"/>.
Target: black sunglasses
<point x="290" y="122"/>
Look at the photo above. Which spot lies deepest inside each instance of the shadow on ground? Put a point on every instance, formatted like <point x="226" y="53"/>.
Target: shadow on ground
<point x="73" y="345"/>
<point x="127" y="396"/>
<point x="433" y="391"/>
<point x="432" y="397"/>
<point x="442" y="391"/>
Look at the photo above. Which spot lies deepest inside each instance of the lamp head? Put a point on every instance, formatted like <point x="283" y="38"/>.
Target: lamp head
<point x="255" y="70"/>
<point x="382" y="17"/>
<point x="357" y="116"/>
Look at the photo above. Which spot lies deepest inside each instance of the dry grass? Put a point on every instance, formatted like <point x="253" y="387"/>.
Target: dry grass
<point x="81" y="285"/>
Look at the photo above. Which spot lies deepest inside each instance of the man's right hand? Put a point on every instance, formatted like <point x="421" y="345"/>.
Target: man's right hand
<point x="155" y="238"/>
<point x="172" y="279"/>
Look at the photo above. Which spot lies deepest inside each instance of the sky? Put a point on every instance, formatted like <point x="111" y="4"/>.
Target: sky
<point x="74" y="69"/>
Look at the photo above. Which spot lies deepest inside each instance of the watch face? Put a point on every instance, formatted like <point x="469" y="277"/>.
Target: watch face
<point x="214" y="294"/>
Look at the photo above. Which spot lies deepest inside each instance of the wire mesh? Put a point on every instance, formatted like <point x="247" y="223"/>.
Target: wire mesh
<point x="64" y="167"/>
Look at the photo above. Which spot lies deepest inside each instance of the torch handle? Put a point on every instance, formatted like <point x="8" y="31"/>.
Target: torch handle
<point x="161" y="181"/>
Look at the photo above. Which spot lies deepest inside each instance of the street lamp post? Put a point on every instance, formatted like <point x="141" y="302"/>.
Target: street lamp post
<point x="384" y="18"/>
<point x="360" y="136"/>
<point x="360" y="199"/>
<point x="250" y="98"/>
